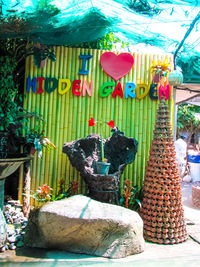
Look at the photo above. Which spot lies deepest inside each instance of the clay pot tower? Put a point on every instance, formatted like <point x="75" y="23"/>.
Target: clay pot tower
<point x="162" y="210"/>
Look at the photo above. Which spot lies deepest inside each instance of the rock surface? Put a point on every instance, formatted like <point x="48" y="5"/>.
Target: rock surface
<point x="3" y="233"/>
<point x="83" y="154"/>
<point x="80" y="224"/>
<point x="15" y="223"/>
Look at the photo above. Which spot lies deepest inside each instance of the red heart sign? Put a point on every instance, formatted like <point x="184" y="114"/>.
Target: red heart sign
<point x="116" y="66"/>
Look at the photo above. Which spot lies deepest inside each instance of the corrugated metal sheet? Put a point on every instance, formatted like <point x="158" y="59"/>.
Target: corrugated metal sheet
<point x="67" y="115"/>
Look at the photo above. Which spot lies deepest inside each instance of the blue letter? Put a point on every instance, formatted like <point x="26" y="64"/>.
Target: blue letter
<point x="84" y="58"/>
<point x="31" y="83"/>
<point x="129" y="88"/>
<point x="153" y="89"/>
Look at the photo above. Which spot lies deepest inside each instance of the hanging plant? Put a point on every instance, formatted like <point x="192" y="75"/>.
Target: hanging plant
<point x="160" y="69"/>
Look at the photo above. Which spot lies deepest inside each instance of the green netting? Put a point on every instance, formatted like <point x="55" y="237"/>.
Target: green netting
<point x="155" y="22"/>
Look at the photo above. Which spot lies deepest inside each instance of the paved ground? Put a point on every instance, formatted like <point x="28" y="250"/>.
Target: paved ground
<point x="179" y="255"/>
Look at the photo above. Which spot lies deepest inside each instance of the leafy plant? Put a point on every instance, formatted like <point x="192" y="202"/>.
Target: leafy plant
<point x="45" y="193"/>
<point x="187" y="119"/>
<point x="65" y="190"/>
<point x="188" y="122"/>
<point x="144" y="7"/>
<point x="131" y="196"/>
<point x="111" y="123"/>
<point x="108" y="42"/>
<point x="9" y="108"/>
<point x="36" y="139"/>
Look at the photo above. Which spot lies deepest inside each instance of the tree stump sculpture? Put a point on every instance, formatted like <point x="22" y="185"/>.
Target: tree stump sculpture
<point x="162" y="209"/>
<point x="83" y="154"/>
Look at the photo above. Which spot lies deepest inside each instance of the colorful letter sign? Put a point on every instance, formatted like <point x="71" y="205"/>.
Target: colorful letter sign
<point x="116" y="66"/>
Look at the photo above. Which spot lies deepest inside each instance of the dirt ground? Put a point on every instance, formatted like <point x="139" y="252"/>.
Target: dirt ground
<point x="184" y="254"/>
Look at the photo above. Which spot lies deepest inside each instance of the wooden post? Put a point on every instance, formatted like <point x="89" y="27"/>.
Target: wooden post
<point x="26" y="197"/>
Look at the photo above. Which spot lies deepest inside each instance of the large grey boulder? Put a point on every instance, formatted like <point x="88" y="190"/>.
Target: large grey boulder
<point x="3" y="230"/>
<point x="80" y="224"/>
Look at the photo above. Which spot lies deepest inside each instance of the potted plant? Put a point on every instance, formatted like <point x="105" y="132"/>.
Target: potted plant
<point x="102" y="166"/>
<point x="35" y="140"/>
<point x="160" y="70"/>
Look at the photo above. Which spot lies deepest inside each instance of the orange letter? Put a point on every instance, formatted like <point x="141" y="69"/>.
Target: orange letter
<point x="87" y="88"/>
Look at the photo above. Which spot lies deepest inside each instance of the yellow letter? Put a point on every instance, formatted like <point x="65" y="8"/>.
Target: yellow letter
<point x="145" y="88"/>
<point x="66" y="89"/>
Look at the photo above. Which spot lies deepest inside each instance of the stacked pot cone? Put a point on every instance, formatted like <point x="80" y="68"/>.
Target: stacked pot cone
<point x="162" y="209"/>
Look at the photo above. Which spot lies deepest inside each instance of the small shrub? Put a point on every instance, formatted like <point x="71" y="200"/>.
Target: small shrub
<point x="131" y="197"/>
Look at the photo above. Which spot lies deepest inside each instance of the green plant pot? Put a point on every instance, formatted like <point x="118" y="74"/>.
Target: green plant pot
<point x="102" y="167"/>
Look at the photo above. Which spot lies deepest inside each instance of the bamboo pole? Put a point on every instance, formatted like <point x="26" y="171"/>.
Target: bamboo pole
<point x="67" y="115"/>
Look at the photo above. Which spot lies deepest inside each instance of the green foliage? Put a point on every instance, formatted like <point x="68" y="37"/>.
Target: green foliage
<point x="143" y="7"/>
<point x="45" y="193"/>
<point x="47" y="7"/>
<point x="108" y="42"/>
<point x="186" y="118"/>
<point x="41" y="54"/>
<point x="189" y="67"/>
<point x="9" y="109"/>
<point x="131" y="197"/>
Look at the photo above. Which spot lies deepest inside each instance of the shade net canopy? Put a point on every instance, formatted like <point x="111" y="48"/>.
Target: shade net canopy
<point x="153" y="23"/>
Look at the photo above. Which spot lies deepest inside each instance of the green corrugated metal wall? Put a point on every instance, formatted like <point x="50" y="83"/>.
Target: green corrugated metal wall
<point x="67" y="115"/>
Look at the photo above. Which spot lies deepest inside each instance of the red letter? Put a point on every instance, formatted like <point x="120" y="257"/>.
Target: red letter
<point x="40" y="90"/>
<point x="75" y="87"/>
<point x="164" y="91"/>
<point x="118" y="90"/>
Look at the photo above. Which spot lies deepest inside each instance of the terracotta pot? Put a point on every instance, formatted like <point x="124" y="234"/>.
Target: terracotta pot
<point x="176" y="235"/>
<point x="160" y="197"/>
<point x="153" y="218"/>
<point x="153" y="234"/>
<point x="148" y="233"/>
<point x="159" y="208"/>
<point x="148" y="228"/>
<point x="154" y="213"/>
<point x="172" y="225"/>
<point x="148" y="223"/>
<point x="165" y="219"/>
<point x="158" y="229"/>
<point x="171" y="220"/>
<point x="159" y="235"/>
<point x="166" y="241"/>
<point x="171" y="235"/>
<point x="154" y="224"/>
<point x="149" y="217"/>
<point x="159" y="219"/>
<point x="164" y="208"/>
<point x="166" y="197"/>
<point x="166" y="225"/>
<point x="165" y="231"/>
<point x="153" y="229"/>
<point x="148" y="213"/>
<point x="154" y="201"/>
<point x="160" y="241"/>
<point x="164" y="236"/>
<point x="154" y="196"/>
<point x="168" y="181"/>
